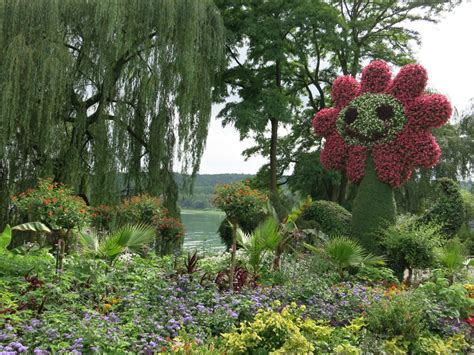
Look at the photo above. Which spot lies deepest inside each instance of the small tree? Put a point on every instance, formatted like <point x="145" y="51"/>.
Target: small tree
<point x="239" y="202"/>
<point x="410" y="245"/>
<point x="57" y="207"/>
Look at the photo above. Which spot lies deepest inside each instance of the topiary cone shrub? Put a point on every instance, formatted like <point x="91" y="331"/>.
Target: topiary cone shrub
<point x="448" y="210"/>
<point x="377" y="133"/>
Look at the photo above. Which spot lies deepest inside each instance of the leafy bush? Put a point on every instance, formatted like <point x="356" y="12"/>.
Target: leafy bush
<point x="455" y="344"/>
<point x="274" y="331"/>
<point x="375" y="275"/>
<point x="344" y="253"/>
<point x="402" y="315"/>
<point x="148" y="210"/>
<point x="451" y="257"/>
<point x="140" y="209"/>
<point x="239" y="201"/>
<point x="448" y="211"/>
<point x="53" y="204"/>
<point x="454" y="297"/>
<point x="332" y="219"/>
<point x="410" y="245"/>
<point x="102" y="217"/>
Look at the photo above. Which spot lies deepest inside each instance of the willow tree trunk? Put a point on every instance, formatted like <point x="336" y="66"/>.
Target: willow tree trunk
<point x="373" y="209"/>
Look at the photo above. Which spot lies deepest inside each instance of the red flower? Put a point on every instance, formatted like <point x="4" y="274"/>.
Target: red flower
<point x="470" y="320"/>
<point x="395" y="155"/>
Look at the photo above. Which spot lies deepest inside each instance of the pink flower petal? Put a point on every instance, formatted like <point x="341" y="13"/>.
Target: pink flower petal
<point x="344" y="90"/>
<point x="376" y="77"/>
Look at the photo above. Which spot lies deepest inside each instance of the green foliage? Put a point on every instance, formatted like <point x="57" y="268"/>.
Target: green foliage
<point x="54" y="205"/>
<point x="454" y="297"/>
<point x="265" y="238"/>
<point x="5" y="238"/>
<point x="82" y="98"/>
<point x="452" y="256"/>
<point x="16" y="265"/>
<point x="148" y="210"/>
<point x="455" y="344"/>
<point x="102" y="217"/>
<point x="128" y="238"/>
<point x="401" y="315"/>
<point x="344" y="252"/>
<point x="6" y="235"/>
<point x="374" y="208"/>
<point x="332" y="219"/>
<point x="239" y="201"/>
<point x="410" y="245"/>
<point x="280" y="332"/>
<point x="376" y="275"/>
<point x="142" y="209"/>
<point x="448" y="210"/>
<point x="310" y="178"/>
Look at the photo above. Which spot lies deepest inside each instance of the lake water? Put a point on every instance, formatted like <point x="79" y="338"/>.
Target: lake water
<point x="201" y="230"/>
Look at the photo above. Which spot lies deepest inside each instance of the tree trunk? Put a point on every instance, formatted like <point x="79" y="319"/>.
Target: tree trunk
<point x="274" y="137"/>
<point x="277" y="258"/>
<point x="341" y="198"/>
<point x="232" y="256"/>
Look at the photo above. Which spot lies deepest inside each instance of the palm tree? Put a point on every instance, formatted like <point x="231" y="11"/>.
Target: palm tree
<point x="129" y="237"/>
<point x="345" y="252"/>
<point x="265" y="238"/>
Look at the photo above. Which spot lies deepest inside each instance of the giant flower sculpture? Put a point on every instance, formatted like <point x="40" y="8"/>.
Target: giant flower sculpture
<point x="381" y="125"/>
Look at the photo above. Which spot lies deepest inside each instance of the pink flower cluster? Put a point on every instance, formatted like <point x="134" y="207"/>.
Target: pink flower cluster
<point x="414" y="146"/>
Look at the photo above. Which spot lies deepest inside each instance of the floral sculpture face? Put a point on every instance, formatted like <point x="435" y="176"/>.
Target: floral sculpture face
<point x="389" y="119"/>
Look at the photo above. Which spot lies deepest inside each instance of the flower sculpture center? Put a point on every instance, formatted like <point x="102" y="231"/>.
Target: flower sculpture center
<point x="371" y="119"/>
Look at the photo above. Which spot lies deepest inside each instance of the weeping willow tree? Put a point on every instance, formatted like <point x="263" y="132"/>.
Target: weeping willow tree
<point x="105" y="93"/>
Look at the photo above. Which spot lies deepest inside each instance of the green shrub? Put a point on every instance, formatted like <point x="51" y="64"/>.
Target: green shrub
<point x="402" y="315"/>
<point x="53" y="204"/>
<point x="102" y="217"/>
<point x="331" y="218"/>
<point x="410" y="245"/>
<point x="373" y="208"/>
<point x="454" y="298"/>
<point x="448" y="211"/>
<point x="376" y="275"/>
<point x="146" y="209"/>
<point x="286" y="331"/>
<point x="247" y="226"/>
<point x="140" y="209"/>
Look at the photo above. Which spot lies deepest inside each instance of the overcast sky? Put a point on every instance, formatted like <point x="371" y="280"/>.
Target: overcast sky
<point x="446" y="52"/>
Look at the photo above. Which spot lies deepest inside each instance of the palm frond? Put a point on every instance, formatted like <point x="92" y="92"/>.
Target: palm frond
<point x="452" y="255"/>
<point x="267" y="234"/>
<point x="89" y="242"/>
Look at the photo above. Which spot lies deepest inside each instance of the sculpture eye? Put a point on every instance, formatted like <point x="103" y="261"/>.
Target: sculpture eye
<point x="350" y="115"/>
<point x="385" y="112"/>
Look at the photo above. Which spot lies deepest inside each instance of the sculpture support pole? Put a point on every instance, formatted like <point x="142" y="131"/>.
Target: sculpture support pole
<point x="373" y="209"/>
